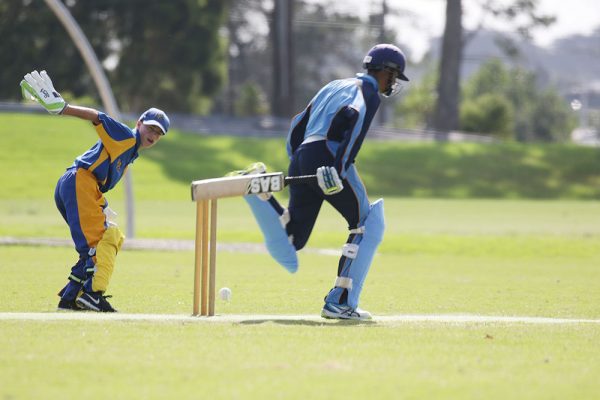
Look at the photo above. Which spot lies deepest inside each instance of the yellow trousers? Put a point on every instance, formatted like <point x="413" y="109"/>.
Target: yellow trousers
<point x="106" y="254"/>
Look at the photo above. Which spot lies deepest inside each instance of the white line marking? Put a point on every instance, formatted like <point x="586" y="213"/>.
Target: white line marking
<point x="160" y="244"/>
<point x="254" y="318"/>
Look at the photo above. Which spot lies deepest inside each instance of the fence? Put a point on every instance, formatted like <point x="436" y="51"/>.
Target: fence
<point x="270" y="126"/>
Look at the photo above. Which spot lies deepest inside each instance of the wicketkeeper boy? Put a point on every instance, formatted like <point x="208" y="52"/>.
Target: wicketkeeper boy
<point x="324" y="139"/>
<point x="79" y="193"/>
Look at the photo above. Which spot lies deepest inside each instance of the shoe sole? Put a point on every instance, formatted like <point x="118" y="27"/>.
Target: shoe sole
<point x="330" y="315"/>
<point x="70" y="309"/>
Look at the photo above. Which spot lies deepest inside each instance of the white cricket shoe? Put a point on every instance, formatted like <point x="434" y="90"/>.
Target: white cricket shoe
<point x="339" y="311"/>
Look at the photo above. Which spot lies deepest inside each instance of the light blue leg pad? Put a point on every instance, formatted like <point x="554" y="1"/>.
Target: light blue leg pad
<point x="276" y="238"/>
<point x="355" y="270"/>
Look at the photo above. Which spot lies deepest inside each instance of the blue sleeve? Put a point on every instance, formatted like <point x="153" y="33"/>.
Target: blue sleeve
<point x="115" y="136"/>
<point x="297" y="131"/>
<point x="352" y="116"/>
<point x="115" y="129"/>
<point x="341" y="129"/>
<point x="358" y="115"/>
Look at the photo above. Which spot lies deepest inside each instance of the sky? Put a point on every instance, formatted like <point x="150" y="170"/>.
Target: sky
<point x="573" y="17"/>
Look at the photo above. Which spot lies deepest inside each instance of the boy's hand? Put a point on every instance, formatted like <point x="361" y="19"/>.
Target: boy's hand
<point x="38" y="87"/>
<point x="329" y="181"/>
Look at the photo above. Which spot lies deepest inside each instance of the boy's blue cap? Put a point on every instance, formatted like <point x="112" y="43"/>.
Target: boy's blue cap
<point x="156" y="117"/>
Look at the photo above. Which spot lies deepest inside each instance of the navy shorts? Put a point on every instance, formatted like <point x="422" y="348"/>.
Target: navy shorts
<point x="306" y="199"/>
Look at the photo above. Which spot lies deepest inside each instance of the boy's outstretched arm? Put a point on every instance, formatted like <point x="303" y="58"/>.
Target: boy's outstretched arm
<point x="86" y="113"/>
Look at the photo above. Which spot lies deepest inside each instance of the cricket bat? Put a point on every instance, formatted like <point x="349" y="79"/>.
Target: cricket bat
<point x="230" y="186"/>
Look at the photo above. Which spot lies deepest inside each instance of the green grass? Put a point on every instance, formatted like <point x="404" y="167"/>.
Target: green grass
<point x="303" y="359"/>
<point x="37" y="148"/>
<point x="485" y="258"/>
<point x="229" y="361"/>
<point x="514" y="257"/>
<point x="409" y="217"/>
<point x="531" y="283"/>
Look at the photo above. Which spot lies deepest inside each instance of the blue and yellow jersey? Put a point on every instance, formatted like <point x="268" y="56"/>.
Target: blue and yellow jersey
<point x="109" y="157"/>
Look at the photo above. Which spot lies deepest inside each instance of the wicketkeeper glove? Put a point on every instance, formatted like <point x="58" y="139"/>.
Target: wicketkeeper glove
<point x="37" y="86"/>
<point x="329" y="180"/>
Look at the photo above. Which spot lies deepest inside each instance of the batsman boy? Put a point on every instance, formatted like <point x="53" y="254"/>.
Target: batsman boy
<point x="79" y="193"/>
<point x="324" y="139"/>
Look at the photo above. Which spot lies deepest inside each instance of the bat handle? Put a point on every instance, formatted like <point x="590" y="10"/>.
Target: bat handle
<point x="293" y="180"/>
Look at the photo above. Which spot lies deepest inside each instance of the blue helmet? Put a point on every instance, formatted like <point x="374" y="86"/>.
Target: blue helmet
<point x="387" y="57"/>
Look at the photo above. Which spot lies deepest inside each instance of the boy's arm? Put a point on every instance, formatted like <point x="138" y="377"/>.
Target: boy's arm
<point x="86" y="113"/>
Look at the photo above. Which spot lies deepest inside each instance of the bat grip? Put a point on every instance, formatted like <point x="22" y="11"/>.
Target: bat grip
<point x="293" y="180"/>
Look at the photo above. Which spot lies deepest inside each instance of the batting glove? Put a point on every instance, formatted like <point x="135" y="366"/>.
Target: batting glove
<point x="37" y="86"/>
<point x="329" y="180"/>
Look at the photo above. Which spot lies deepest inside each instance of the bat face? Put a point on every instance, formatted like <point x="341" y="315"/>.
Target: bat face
<point x="265" y="183"/>
<point x="231" y="186"/>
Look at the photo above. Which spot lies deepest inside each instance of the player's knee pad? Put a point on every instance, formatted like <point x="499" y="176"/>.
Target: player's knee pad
<point x="272" y="224"/>
<point x="357" y="256"/>
<point x="90" y="269"/>
<point x="78" y="274"/>
<point x="106" y="253"/>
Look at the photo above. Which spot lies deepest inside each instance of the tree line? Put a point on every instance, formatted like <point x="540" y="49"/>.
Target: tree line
<point x="211" y="56"/>
<point x="154" y="52"/>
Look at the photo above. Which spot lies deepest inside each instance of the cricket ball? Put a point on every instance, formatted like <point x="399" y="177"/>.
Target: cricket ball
<point x="225" y="293"/>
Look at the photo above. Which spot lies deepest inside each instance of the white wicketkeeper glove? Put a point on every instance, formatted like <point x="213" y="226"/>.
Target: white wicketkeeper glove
<point x="329" y="180"/>
<point x="38" y="86"/>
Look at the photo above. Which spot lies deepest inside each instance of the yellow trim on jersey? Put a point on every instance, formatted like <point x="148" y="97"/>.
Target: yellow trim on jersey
<point x="113" y="147"/>
<point x="101" y="158"/>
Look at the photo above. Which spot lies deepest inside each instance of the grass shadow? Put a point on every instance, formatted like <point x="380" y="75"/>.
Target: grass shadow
<point x="434" y="170"/>
<point x="187" y="157"/>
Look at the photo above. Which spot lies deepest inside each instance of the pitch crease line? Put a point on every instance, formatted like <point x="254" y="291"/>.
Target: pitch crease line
<point x="256" y="318"/>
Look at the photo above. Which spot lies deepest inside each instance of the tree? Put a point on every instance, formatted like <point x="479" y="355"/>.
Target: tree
<point x="248" y="48"/>
<point x="283" y="58"/>
<point x="445" y="116"/>
<point x="416" y="108"/>
<point x="32" y="38"/>
<point x="168" y="53"/>
<point x="251" y="101"/>
<point x="327" y="44"/>
<point x="552" y="118"/>
<point x="326" y="49"/>
<point x="446" y="110"/>
<point x="509" y="103"/>
<point x="487" y="114"/>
